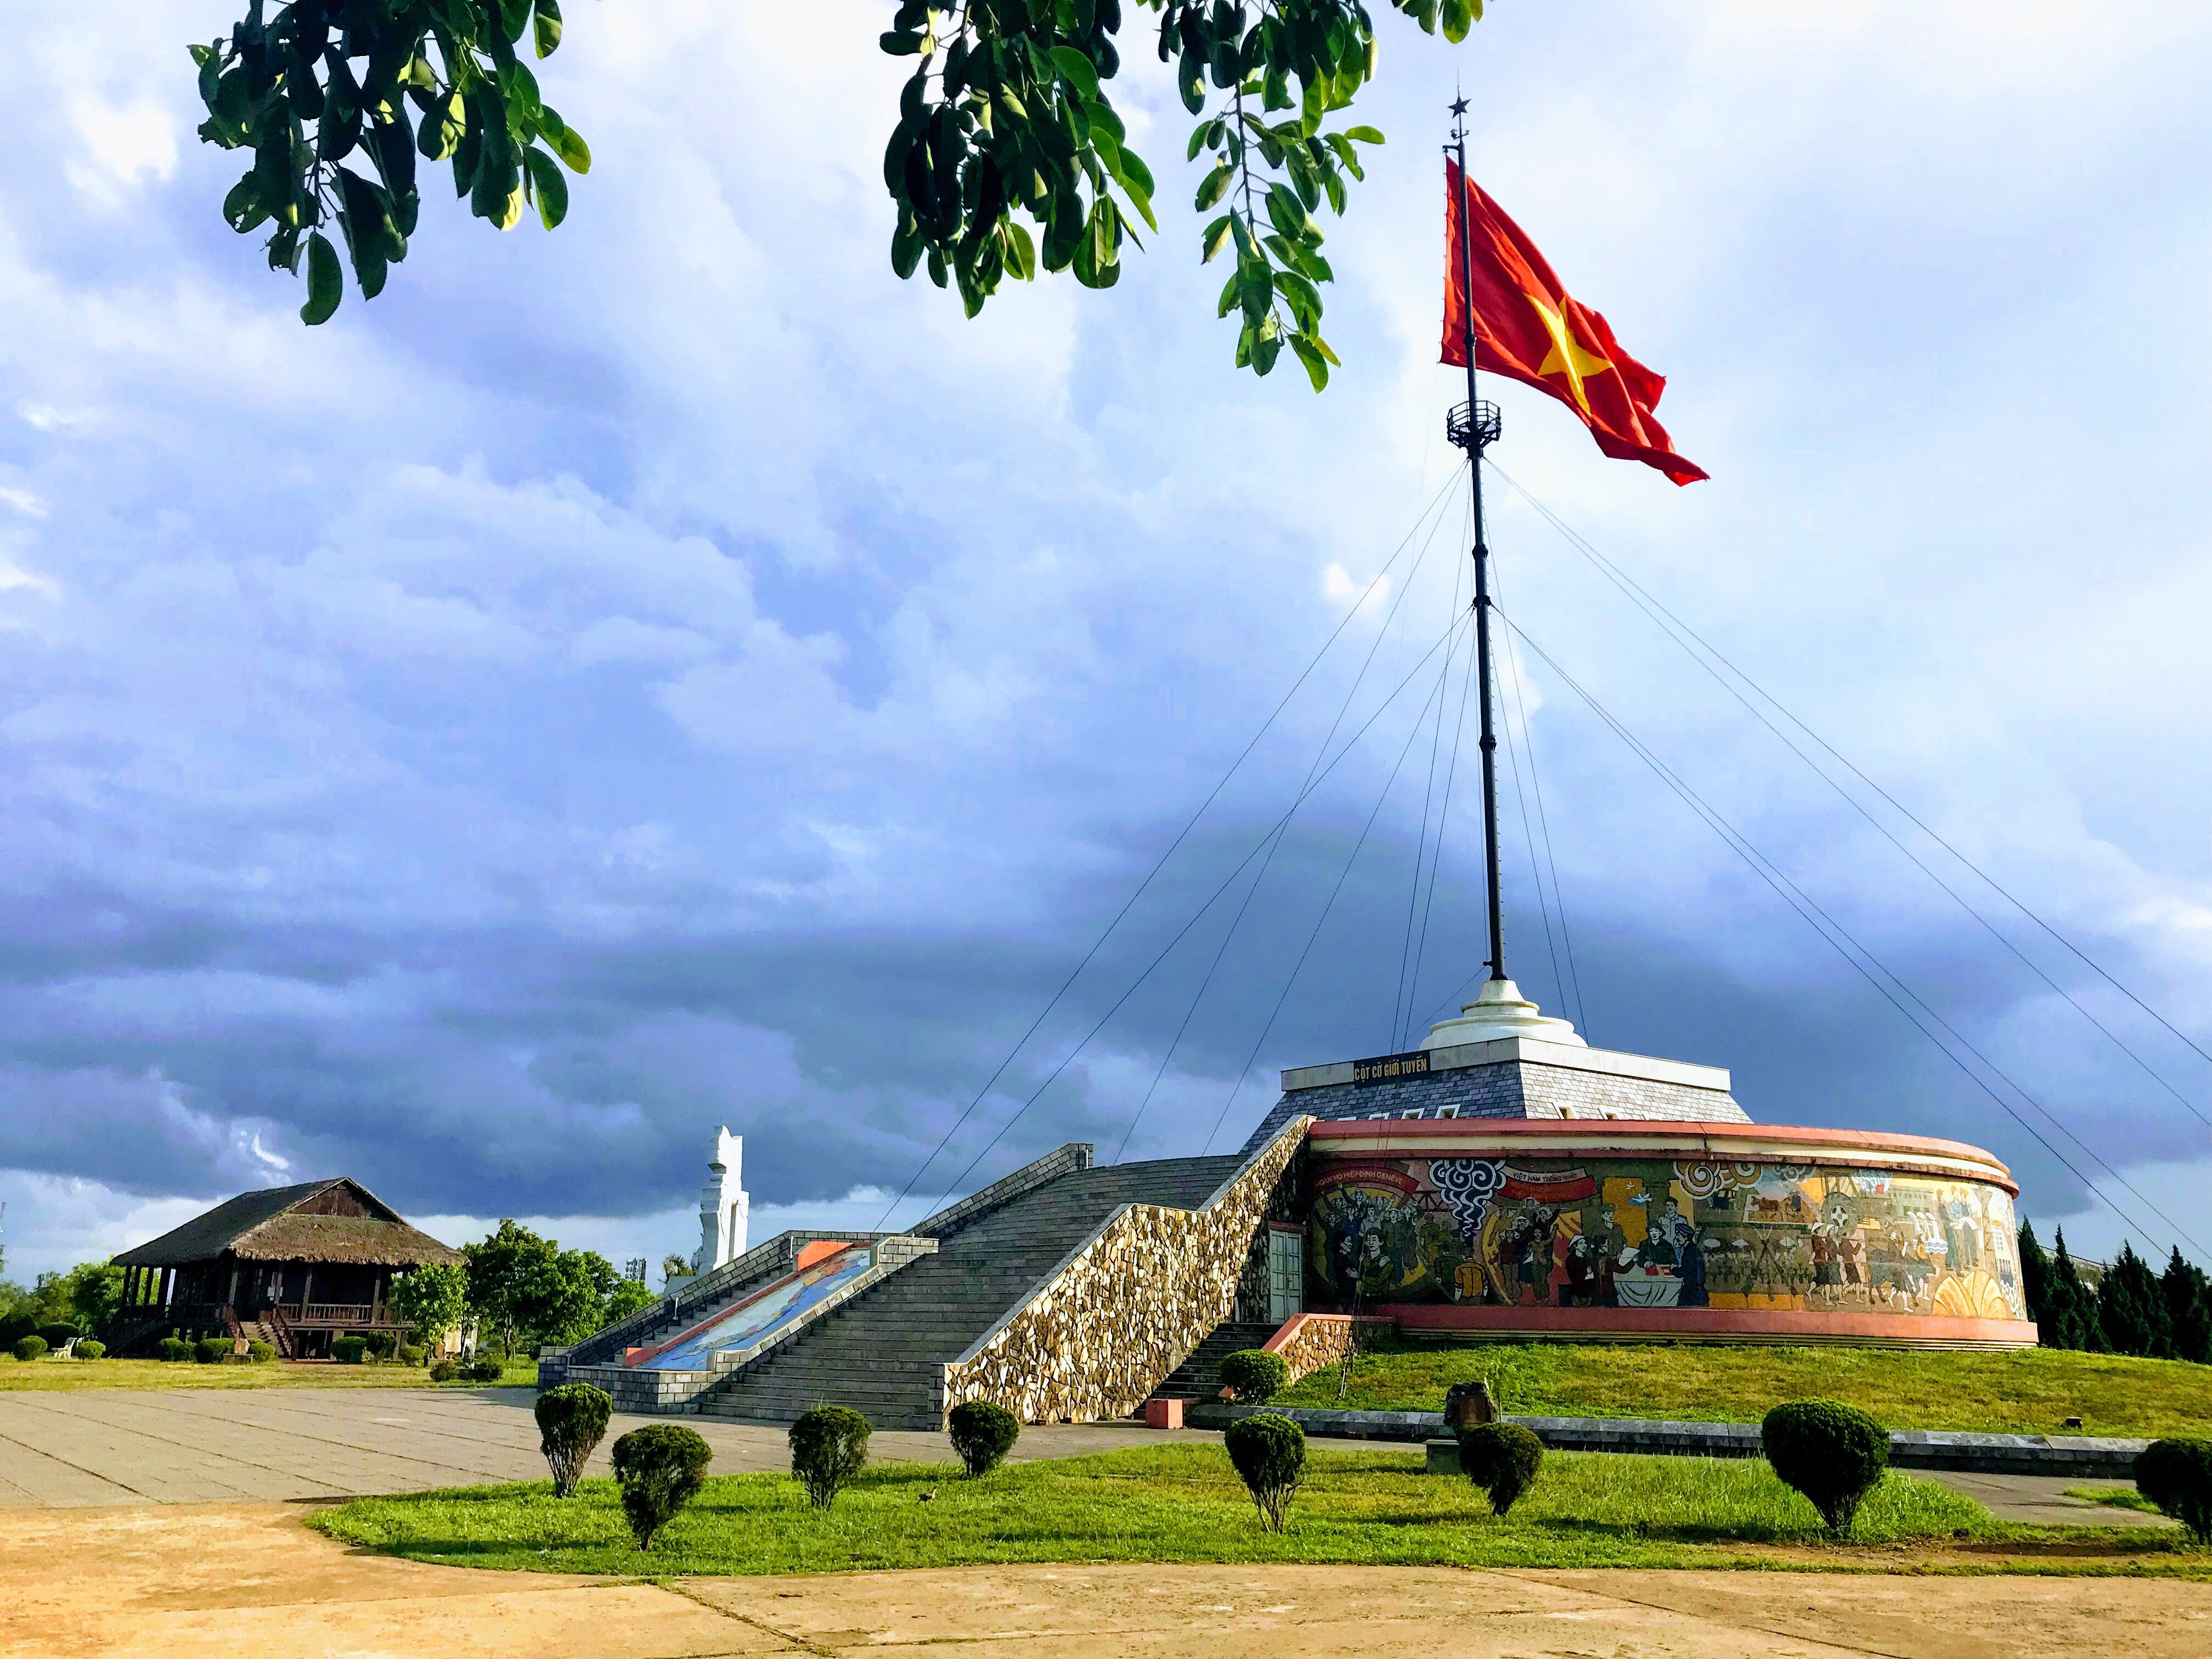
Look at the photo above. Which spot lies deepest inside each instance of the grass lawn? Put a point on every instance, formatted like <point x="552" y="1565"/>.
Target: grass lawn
<point x="1184" y="1504"/>
<point x="2032" y="1391"/>
<point x="58" y="1374"/>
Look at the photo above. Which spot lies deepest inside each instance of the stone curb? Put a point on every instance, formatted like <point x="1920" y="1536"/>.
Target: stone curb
<point x="2067" y="1455"/>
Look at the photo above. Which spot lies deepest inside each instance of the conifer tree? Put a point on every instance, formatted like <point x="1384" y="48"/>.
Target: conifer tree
<point x="2035" y="1286"/>
<point x="2188" y="1296"/>
<point x="2131" y="1309"/>
<point x="2074" y="1307"/>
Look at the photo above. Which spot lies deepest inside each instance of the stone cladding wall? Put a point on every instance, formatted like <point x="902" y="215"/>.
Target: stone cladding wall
<point x="1519" y="1089"/>
<point x="1107" y="1326"/>
<point x="1254" y="1304"/>
<point x="1313" y="1342"/>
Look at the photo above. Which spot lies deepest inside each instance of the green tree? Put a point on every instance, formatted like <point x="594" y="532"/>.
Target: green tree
<point x="628" y="1298"/>
<point x="433" y="1300"/>
<point x="673" y="1267"/>
<point x="1007" y="117"/>
<point x="564" y="1296"/>
<point x="498" y="1268"/>
<point x="2131" y="1307"/>
<point x="2188" y="1296"/>
<point x="2074" y="1304"/>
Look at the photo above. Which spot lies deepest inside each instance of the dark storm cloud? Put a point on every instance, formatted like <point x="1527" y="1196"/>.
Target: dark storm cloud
<point x="645" y="678"/>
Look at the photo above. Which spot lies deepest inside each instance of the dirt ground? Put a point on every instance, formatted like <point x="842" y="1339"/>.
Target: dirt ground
<point x="247" y="1581"/>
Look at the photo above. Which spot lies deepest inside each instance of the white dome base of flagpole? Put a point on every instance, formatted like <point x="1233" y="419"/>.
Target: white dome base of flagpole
<point x="1500" y="1010"/>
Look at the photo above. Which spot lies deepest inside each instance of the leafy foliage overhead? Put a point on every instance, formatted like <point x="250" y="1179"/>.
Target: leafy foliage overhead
<point x="1008" y="114"/>
<point x="1008" y="117"/>
<point x="326" y="81"/>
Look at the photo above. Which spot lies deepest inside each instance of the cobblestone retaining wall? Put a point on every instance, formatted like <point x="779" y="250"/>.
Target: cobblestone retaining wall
<point x="1127" y="1306"/>
<point x="1313" y="1342"/>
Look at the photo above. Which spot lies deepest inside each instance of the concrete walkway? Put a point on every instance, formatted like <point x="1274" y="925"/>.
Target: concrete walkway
<point x="93" y="1447"/>
<point x="248" y="1582"/>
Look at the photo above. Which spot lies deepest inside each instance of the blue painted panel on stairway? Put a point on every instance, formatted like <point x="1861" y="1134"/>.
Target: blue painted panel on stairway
<point x="759" y="1315"/>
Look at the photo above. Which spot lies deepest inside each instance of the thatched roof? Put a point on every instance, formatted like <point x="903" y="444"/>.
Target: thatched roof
<point x="270" y="1225"/>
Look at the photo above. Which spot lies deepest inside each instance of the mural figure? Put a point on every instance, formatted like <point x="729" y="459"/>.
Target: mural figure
<point x="1625" y="1232"/>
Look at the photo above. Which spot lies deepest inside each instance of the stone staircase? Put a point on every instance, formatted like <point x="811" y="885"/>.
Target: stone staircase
<point x="1199" y="1377"/>
<point x="885" y="1352"/>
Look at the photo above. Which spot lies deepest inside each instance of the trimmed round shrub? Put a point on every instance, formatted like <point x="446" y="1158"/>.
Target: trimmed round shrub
<point x="89" y="1349"/>
<point x="572" y="1419"/>
<point x="30" y="1348"/>
<point x="60" y="1335"/>
<point x="348" y="1350"/>
<point x="410" y="1355"/>
<point x="828" y="1445"/>
<point x="982" y="1435"/>
<point x="487" y="1370"/>
<point x="174" y="1347"/>
<point x="1833" y="1454"/>
<point x="2177" y="1476"/>
<point x="381" y="1343"/>
<point x="660" y="1468"/>
<point x="445" y="1371"/>
<point x="211" y="1350"/>
<point x="1254" y="1375"/>
<point x="258" y="1353"/>
<point x="1269" y="1453"/>
<point x="1501" y="1458"/>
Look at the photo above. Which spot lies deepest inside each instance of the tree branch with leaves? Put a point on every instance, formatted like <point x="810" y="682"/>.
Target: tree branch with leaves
<point x="1007" y="117"/>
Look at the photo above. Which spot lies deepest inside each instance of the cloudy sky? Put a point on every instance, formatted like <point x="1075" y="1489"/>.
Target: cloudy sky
<point x="670" y="672"/>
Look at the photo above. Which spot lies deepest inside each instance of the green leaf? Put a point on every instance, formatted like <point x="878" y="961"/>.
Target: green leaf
<point x="444" y="126"/>
<point x="568" y="144"/>
<point x="1368" y="134"/>
<point x="552" y="189"/>
<point x="906" y="247"/>
<point x="1021" y="251"/>
<point x="1215" y="239"/>
<point x="1458" y="19"/>
<point x="1190" y="83"/>
<point x="1214" y="186"/>
<point x="901" y="44"/>
<point x="549" y="26"/>
<point x="1077" y="70"/>
<point x="325" y="281"/>
<point x="243" y="209"/>
<point x="1317" y="365"/>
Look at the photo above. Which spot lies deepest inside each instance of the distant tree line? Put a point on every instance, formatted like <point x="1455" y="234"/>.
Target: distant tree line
<point x="2132" y="1310"/>
<point x="518" y="1290"/>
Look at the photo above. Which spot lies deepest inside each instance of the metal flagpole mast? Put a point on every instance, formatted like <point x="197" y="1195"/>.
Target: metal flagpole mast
<point x="1474" y="427"/>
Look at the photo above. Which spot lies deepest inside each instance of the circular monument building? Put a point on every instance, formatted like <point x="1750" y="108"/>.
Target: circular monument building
<point x="1507" y="1180"/>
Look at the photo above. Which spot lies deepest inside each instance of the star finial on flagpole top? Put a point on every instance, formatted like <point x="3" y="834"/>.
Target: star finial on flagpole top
<point x="1459" y="107"/>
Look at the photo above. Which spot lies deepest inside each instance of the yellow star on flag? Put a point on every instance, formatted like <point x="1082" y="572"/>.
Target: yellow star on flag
<point x="1567" y="356"/>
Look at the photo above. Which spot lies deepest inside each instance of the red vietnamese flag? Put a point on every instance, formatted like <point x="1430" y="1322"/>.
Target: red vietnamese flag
<point x="1527" y="328"/>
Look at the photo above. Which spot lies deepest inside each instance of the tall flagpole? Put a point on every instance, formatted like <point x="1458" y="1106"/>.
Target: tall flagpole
<point x="1475" y="426"/>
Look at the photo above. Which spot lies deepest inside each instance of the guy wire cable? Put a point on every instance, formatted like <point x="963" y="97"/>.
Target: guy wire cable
<point x="1528" y="834"/>
<point x="1276" y="844"/>
<point x="1421" y="843"/>
<point x="1807" y="907"/>
<point x="1098" y="944"/>
<point x="1319" y="922"/>
<point x="1413" y="732"/>
<point x="1544" y="822"/>
<point x="1069" y="1057"/>
<point x="1638" y="596"/>
<point x="1436" y="859"/>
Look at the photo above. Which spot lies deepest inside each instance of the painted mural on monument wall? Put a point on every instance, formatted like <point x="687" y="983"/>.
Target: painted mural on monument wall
<point x="1627" y="1232"/>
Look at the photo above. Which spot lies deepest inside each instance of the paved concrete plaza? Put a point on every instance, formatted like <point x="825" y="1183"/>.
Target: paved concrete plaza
<point x="98" y="1446"/>
<point x="238" y="1581"/>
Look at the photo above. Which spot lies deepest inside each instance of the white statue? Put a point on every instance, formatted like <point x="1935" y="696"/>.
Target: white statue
<point x="722" y="1205"/>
